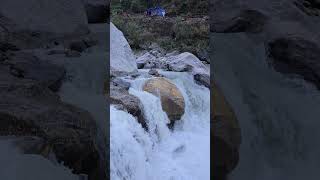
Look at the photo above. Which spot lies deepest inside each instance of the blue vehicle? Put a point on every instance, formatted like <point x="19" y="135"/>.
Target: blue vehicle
<point x="156" y="11"/>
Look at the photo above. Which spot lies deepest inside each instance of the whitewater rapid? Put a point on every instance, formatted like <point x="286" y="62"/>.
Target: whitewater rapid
<point x="162" y="154"/>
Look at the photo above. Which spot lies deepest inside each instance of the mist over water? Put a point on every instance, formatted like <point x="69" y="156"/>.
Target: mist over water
<point x="162" y="154"/>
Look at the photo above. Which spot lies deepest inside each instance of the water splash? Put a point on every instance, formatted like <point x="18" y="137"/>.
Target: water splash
<point x="161" y="154"/>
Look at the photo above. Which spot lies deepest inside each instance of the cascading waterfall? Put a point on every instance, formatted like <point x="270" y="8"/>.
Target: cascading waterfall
<point x="162" y="154"/>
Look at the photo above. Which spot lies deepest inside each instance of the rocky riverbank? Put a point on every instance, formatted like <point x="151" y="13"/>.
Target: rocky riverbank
<point x="266" y="59"/>
<point x="45" y="53"/>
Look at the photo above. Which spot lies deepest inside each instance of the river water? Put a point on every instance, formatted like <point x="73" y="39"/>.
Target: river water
<point x="162" y="154"/>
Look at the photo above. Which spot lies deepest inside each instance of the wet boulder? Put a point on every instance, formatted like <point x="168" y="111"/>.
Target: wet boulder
<point x="202" y="79"/>
<point x="172" y="100"/>
<point x="226" y="134"/>
<point x="120" y="97"/>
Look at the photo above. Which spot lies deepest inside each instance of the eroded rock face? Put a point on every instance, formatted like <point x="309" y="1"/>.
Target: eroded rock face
<point x="31" y="109"/>
<point x="172" y="100"/>
<point x="292" y="55"/>
<point x="226" y="135"/>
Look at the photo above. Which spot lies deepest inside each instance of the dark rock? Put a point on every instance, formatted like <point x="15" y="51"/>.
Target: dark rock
<point x="251" y="21"/>
<point x="70" y="53"/>
<point x="202" y="79"/>
<point x="80" y="30"/>
<point x="4" y="47"/>
<point x="203" y="55"/>
<point x="30" y="109"/>
<point x="79" y="46"/>
<point x="97" y="13"/>
<point x="293" y="55"/>
<point x="310" y="7"/>
<point x="90" y="42"/>
<point x="25" y="65"/>
<point x="140" y="65"/>
<point x="226" y="134"/>
<point x="82" y="45"/>
<point x="128" y="102"/>
<point x="56" y="51"/>
<point x="154" y="72"/>
<point x="33" y="145"/>
<point x="120" y="83"/>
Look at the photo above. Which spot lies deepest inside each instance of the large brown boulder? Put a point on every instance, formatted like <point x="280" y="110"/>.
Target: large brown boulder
<point x="226" y="135"/>
<point x="172" y="100"/>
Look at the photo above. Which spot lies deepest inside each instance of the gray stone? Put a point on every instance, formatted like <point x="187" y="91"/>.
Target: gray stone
<point x="31" y="109"/>
<point x="202" y="79"/>
<point x="25" y="65"/>
<point x="120" y="96"/>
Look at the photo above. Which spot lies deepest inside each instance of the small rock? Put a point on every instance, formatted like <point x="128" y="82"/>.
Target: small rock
<point x="202" y="79"/>
<point x="78" y="46"/>
<point x="70" y="53"/>
<point x="186" y="62"/>
<point x="146" y="61"/>
<point x="154" y="72"/>
<point x="120" y="83"/>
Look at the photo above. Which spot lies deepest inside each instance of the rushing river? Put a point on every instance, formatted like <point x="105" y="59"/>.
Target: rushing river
<point x="162" y="154"/>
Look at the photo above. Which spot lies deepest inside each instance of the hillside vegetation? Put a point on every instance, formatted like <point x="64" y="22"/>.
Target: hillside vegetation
<point x="185" y="27"/>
